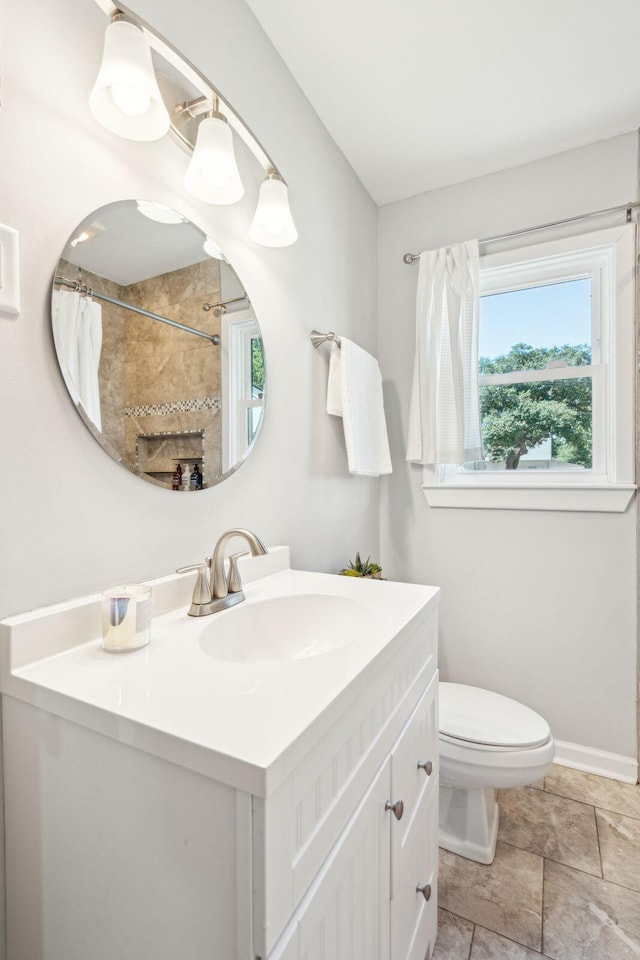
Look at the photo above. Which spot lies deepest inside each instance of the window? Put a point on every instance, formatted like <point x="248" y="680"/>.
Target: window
<point x="556" y="350"/>
<point x="243" y="382"/>
<point x="536" y="377"/>
<point x="255" y="391"/>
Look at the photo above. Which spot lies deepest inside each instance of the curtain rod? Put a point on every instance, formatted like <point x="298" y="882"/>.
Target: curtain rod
<point x="412" y="257"/>
<point x="86" y="291"/>
<point x="223" y="304"/>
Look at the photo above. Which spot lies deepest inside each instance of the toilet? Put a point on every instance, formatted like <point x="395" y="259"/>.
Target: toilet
<point x="487" y="742"/>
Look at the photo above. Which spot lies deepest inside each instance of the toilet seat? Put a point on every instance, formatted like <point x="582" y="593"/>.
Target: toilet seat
<point x="488" y="720"/>
<point x="473" y="745"/>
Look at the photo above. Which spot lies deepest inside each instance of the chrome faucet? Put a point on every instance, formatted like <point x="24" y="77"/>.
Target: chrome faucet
<point x="210" y="595"/>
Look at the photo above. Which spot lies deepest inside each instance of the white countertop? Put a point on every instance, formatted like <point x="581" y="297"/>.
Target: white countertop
<point x="245" y="724"/>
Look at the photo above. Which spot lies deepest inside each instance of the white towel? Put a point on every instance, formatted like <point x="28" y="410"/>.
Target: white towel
<point x="354" y="392"/>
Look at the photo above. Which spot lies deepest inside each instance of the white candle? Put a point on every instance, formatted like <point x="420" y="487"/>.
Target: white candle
<point x="126" y="617"/>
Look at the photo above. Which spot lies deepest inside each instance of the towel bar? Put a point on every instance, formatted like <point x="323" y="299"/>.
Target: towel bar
<point x="318" y="338"/>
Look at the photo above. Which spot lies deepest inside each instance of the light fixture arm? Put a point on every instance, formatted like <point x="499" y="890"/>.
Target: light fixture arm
<point x="201" y="106"/>
<point x="195" y="108"/>
<point x="121" y="15"/>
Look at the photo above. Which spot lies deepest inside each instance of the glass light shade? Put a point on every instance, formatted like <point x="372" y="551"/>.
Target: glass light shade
<point x="212" y="174"/>
<point x="272" y="224"/>
<point x="212" y="248"/>
<point x="126" y="98"/>
<point x="159" y="212"/>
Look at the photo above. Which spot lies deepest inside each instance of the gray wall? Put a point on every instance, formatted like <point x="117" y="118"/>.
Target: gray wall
<point x="538" y="606"/>
<point x="71" y="519"/>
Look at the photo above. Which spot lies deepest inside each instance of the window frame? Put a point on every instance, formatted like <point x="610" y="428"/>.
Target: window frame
<point x="237" y="331"/>
<point x="608" y="258"/>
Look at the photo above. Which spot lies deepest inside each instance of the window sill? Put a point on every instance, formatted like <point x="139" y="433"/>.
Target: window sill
<point x="588" y="498"/>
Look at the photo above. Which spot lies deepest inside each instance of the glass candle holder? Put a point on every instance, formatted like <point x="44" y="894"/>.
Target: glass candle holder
<point x="126" y="617"/>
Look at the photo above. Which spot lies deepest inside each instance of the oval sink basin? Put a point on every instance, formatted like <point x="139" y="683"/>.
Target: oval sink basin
<point x="285" y="628"/>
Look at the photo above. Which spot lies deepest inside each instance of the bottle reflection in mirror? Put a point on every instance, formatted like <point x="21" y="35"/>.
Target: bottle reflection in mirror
<point x="196" y="478"/>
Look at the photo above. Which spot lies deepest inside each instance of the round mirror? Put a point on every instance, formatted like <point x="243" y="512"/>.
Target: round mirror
<point x="158" y="345"/>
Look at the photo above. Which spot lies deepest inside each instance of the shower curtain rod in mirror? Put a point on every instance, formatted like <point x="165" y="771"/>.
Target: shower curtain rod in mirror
<point x="223" y="304"/>
<point x="412" y="257"/>
<point x="86" y="291"/>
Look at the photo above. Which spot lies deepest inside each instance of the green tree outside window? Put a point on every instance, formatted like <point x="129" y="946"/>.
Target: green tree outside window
<point x="517" y="417"/>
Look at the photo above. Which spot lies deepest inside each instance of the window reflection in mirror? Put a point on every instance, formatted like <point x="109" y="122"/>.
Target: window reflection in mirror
<point x="158" y="346"/>
<point x="242" y="383"/>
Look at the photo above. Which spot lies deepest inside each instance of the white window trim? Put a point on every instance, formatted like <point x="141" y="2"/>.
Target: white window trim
<point x="608" y="257"/>
<point x="236" y="331"/>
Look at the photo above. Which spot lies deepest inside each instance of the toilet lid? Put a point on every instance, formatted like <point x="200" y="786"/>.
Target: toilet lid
<point x="480" y="716"/>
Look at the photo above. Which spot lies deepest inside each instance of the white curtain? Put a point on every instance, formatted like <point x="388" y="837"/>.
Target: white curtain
<point x="444" y="418"/>
<point x="77" y="334"/>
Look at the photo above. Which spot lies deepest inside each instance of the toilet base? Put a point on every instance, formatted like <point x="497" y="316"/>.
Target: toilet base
<point x="469" y="822"/>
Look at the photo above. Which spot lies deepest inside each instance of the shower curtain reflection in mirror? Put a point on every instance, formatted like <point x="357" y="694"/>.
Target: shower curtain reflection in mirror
<point x="77" y="333"/>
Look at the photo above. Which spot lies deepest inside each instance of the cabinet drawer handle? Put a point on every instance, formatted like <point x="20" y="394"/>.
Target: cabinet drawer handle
<point x="427" y="766"/>
<point x="397" y="807"/>
<point x="424" y="890"/>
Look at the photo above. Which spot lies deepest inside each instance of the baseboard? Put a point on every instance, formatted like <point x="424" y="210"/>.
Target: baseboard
<point x="604" y="764"/>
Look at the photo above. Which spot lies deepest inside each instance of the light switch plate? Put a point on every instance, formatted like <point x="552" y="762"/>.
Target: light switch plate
<point x="9" y="271"/>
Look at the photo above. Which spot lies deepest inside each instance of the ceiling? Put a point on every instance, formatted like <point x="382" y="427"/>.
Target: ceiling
<point x="126" y="247"/>
<point x="419" y="94"/>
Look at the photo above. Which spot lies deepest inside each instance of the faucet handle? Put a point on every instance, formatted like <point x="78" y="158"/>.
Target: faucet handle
<point x="234" y="583"/>
<point x="202" y="590"/>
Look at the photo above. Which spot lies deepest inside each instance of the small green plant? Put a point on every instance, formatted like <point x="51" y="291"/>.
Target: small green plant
<point x="362" y="568"/>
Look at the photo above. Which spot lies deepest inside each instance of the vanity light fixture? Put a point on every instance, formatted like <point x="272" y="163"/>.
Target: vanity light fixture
<point x="272" y="224"/>
<point x="81" y="238"/>
<point x="159" y="212"/>
<point x="128" y="101"/>
<point x="87" y="234"/>
<point x="126" y="98"/>
<point x="212" y="174"/>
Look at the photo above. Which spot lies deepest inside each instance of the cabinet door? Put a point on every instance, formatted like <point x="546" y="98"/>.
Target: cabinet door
<point x="411" y="783"/>
<point x="414" y="838"/>
<point x="345" y="914"/>
<point x="414" y="918"/>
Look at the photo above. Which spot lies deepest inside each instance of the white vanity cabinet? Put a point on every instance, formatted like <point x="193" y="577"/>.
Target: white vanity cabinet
<point x="136" y="829"/>
<point x="365" y="902"/>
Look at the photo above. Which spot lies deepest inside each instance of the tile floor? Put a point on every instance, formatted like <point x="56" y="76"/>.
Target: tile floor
<point x="565" y="883"/>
